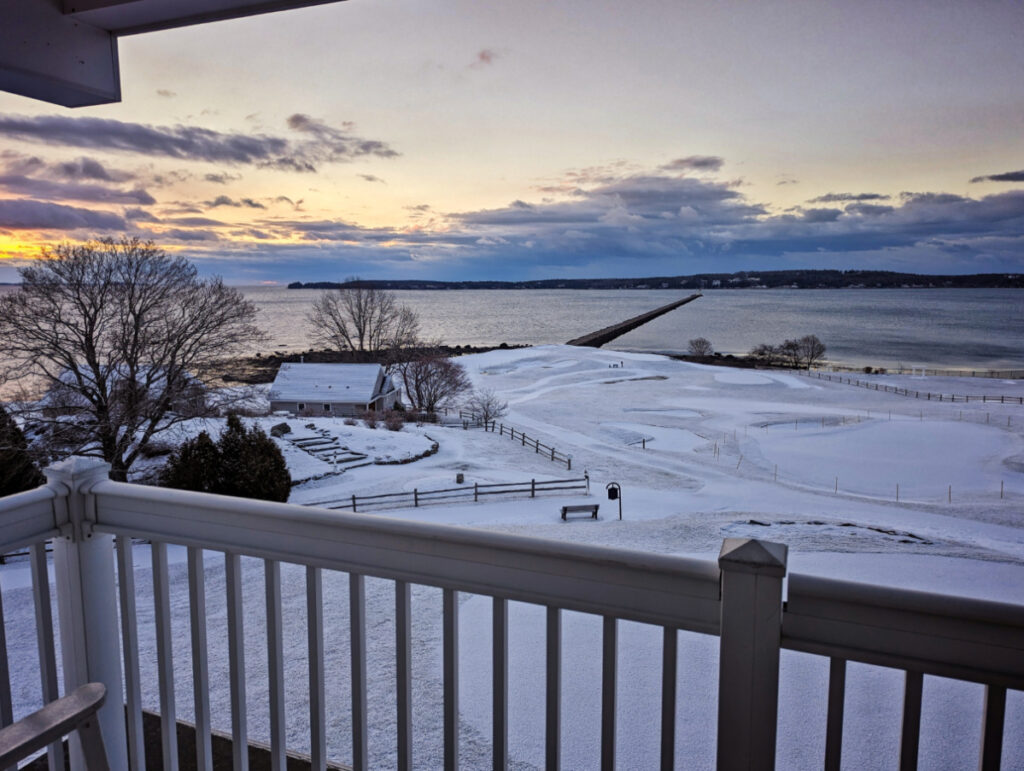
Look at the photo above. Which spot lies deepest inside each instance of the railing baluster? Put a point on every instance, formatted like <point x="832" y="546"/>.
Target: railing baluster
<point x="6" y="706"/>
<point x="130" y="647"/>
<point x="164" y="656"/>
<point x="236" y="661"/>
<point x="357" y="627"/>
<point x="669" y="651"/>
<point x="451" y="679"/>
<point x="992" y="728"/>
<point x="315" y="638"/>
<point x="911" y="737"/>
<point x="553" y="712"/>
<point x="609" y="656"/>
<point x="275" y="663"/>
<point x="44" y="642"/>
<point x="200" y="666"/>
<point x="403" y="655"/>
<point x="499" y="677"/>
<point x="836" y="704"/>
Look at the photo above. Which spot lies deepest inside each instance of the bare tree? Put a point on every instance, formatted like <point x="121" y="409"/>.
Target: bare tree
<point x="486" y="405"/>
<point x="431" y="381"/>
<point x="789" y="352"/>
<point x="362" y="319"/>
<point x="812" y="350"/>
<point x="765" y="353"/>
<point x="701" y="346"/>
<point x="119" y="337"/>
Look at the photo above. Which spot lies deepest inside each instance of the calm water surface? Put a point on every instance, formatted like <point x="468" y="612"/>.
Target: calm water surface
<point x="961" y="328"/>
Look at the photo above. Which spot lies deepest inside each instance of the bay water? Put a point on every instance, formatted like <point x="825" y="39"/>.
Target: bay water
<point x="935" y="328"/>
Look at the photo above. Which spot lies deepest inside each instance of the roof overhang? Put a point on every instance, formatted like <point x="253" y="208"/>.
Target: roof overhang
<point x="65" y="51"/>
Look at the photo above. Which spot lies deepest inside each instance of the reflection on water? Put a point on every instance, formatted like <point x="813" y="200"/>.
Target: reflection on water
<point x="980" y="328"/>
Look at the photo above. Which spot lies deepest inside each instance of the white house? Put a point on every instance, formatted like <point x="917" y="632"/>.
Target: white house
<point x="332" y="389"/>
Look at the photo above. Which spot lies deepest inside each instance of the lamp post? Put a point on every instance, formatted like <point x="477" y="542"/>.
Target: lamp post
<point x="615" y="494"/>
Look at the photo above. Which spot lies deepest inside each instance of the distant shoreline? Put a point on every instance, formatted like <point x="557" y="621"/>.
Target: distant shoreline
<point x="773" y="279"/>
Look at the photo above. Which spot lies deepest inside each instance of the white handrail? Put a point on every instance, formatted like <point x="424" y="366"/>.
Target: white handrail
<point x="958" y="637"/>
<point x="633" y="585"/>
<point x="27" y="518"/>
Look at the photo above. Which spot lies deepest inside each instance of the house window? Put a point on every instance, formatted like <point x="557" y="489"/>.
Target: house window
<point x="302" y="406"/>
<point x="327" y="408"/>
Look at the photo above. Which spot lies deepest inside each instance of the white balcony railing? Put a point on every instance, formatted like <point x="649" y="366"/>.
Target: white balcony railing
<point x="92" y="522"/>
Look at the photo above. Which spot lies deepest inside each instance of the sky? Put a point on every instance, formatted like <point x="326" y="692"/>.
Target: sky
<point x="464" y="140"/>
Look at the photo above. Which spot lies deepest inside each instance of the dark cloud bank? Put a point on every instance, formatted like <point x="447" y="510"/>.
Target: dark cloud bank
<point x="312" y="141"/>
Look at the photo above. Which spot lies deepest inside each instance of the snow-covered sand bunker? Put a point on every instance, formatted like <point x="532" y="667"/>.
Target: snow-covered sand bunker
<point x="728" y="453"/>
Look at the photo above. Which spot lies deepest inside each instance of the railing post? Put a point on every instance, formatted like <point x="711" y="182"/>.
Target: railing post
<point x="83" y="563"/>
<point x="748" y="677"/>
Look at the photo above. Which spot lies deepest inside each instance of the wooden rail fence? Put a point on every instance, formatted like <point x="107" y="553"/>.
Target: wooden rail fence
<point x="984" y="398"/>
<point x="518" y="436"/>
<point x="1000" y="374"/>
<point x="417" y="497"/>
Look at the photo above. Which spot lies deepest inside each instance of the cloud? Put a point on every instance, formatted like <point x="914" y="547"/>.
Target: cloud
<point x="821" y="215"/>
<point x="139" y="215"/>
<point x="372" y="178"/>
<point x="28" y="215"/>
<point x="223" y="200"/>
<point x="317" y="143"/>
<point x="695" y="163"/>
<point x="296" y="205"/>
<point x="485" y="57"/>
<point x="78" y="169"/>
<point x="629" y="228"/>
<point x="195" y="222"/>
<point x="868" y="209"/>
<point x="62" y="191"/>
<point x="178" y="234"/>
<point x="1009" y="176"/>
<point x="222" y="178"/>
<point x="841" y="197"/>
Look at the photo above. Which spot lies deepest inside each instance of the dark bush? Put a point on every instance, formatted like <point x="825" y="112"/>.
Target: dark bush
<point x="244" y="462"/>
<point x="18" y="472"/>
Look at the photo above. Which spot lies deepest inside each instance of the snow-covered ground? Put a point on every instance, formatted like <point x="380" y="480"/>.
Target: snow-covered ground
<point x="728" y="452"/>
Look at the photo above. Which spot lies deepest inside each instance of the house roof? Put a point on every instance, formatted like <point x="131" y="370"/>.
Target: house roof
<point x="325" y="383"/>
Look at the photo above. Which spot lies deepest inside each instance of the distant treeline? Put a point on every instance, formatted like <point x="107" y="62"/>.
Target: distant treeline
<point x="769" y="279"/>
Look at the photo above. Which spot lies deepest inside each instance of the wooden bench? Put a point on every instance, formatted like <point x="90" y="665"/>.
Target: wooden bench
<point x="582" y="508"/>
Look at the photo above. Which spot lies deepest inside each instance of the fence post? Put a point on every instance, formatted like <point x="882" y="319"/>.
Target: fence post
<point x="536" y="445"/>
<point x="476" y="492"/>
<point x="533" y="488"/>
<point x="552" y="453"/>
<point x="353" y="504"/>
<point x="748" y="676"/>
<point x="415" y="497"/>
<point x="83" y="565"/>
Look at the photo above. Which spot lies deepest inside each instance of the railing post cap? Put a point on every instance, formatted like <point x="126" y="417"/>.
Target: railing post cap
<point x="749" y="555"/>
<point x="76" y="470"/>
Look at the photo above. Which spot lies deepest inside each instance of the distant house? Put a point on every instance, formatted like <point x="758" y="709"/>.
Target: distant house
<point x="332" y="389"/>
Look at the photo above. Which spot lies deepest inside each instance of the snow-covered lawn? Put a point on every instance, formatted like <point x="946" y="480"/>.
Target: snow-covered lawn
<point x="728" y="453"/>
<point x="315" y="448"/>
